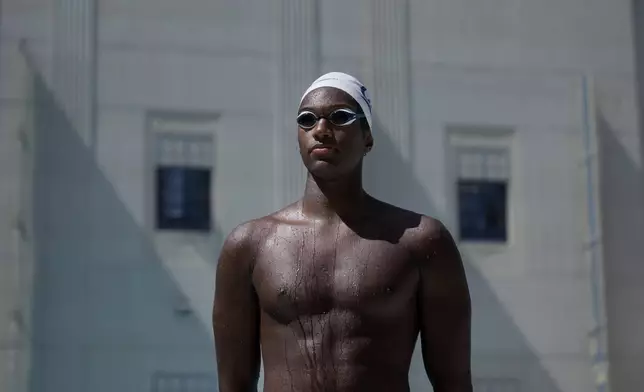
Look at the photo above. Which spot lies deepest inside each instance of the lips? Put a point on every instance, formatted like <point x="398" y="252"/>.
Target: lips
<point x="322" y="148"/>
<point x="323" y="151"/>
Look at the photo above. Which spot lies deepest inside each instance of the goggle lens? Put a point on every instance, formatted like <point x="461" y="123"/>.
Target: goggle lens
<point x="339" y="118"/>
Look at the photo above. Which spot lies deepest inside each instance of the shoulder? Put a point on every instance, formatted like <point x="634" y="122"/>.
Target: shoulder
<point x="422" y="234"/>
<point x="237" y="249"/>
<point x="441" y="270"/>
<point x="430" y="239"/>
<point x="439" y="261"/>
<point x="238" y="254"/>
<point x="242" y="243"/>
<point x="243" y="234"/>
<point x="393" y="218"/>
<point x="250" y="235"/>
<point x="431" y="231"/>
<point x="419" y="229"/>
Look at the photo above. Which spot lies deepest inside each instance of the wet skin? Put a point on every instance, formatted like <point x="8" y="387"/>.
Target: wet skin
<point x="337" y="287"/>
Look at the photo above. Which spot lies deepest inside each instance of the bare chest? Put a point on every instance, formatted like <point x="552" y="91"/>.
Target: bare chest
<point x="308" y="272"/>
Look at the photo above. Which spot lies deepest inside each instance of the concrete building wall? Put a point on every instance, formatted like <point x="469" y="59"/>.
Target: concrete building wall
<point x="18" y="20"/>
<point x="621" y="153"/>
<point x="12" y="115"/>
<point x="494" y="72"/>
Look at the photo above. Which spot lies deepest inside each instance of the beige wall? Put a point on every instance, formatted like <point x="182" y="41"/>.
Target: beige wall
<point x="498" y="63"/>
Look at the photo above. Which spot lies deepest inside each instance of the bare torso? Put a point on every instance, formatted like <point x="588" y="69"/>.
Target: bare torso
<point x="338" y="302"/>
<point x="333" y="291"/>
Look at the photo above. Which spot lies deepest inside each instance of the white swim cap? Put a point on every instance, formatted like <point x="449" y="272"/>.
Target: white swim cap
<point x="349" y="85"/>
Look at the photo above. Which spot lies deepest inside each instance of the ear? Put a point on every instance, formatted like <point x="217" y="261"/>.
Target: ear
<point x="368" y="142"/>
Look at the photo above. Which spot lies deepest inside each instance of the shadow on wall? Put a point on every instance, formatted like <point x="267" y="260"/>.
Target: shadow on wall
<point x="103" y="313"/>
<point x="502" y="359"/>
<point x="107" y="315"/>
<point x="629" y="375"/>
<point x="622" y="206"/>
<point x="638" y="41"/>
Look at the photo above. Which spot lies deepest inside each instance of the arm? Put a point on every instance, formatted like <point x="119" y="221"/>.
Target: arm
<point x="235" y="316"/>
<point x="445" y="313"/>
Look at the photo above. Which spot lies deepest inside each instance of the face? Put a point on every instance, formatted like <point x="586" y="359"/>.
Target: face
<point x="330" y="151"/>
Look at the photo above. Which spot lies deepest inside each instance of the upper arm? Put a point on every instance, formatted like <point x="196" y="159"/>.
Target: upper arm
<point x="445" y="312"/>
<point x="236" y="315"/>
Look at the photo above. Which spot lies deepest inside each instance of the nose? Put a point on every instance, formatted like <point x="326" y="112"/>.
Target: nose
<point x="322" y="129"/>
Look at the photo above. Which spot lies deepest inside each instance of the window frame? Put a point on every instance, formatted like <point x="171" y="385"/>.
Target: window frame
<point x="479" y="138"/>
<point x="180" y="124"/>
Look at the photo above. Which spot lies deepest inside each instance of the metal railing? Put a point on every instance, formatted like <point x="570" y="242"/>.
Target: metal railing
<point x="598" y="341"/>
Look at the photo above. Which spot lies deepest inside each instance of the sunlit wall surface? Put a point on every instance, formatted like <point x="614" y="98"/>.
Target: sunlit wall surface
<point x="135" y="134"/>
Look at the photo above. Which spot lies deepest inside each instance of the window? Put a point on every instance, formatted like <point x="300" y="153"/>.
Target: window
<point x="183" y="181"/>
<point x="482" y="193"/>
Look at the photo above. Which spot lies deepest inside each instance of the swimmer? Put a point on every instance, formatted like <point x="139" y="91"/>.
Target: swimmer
<point x="333" y="291"/>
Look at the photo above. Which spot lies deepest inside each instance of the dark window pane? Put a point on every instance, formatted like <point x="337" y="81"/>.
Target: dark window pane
<point x="482" y="210"/>
<point x="173" y="200"/>
<point x="183" y="198"/>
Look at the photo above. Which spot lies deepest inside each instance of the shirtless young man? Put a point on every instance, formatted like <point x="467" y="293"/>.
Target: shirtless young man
<point x="337" y="287"/>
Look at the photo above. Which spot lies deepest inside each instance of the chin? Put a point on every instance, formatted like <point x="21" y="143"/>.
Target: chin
<point x="324" y="170"/>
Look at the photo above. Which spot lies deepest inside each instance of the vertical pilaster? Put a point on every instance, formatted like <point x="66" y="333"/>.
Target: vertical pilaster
<point x="74" y="81"/>
<point x="389" y="69"/>
<point x="297" y="65"/>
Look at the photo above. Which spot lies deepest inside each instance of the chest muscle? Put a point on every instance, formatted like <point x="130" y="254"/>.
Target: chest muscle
<point x="309" y="274"/>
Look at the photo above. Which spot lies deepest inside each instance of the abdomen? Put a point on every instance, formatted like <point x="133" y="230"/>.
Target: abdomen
<point x="338" y="351"/>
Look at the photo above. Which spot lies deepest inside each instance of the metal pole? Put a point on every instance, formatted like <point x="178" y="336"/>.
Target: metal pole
<point x="598" y="339"/>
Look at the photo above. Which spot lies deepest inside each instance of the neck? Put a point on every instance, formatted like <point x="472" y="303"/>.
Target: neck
<point x="338" y="198"/>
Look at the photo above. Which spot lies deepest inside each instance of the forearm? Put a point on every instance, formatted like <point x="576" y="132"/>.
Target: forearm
<point x="231" y="384"/>
<point x="238" y="362"/>
<point x="447" y="372"/>
<point x="237" y="373"/>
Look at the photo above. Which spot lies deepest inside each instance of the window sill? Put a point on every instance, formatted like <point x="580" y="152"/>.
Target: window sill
<point x="483" y="247"/>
